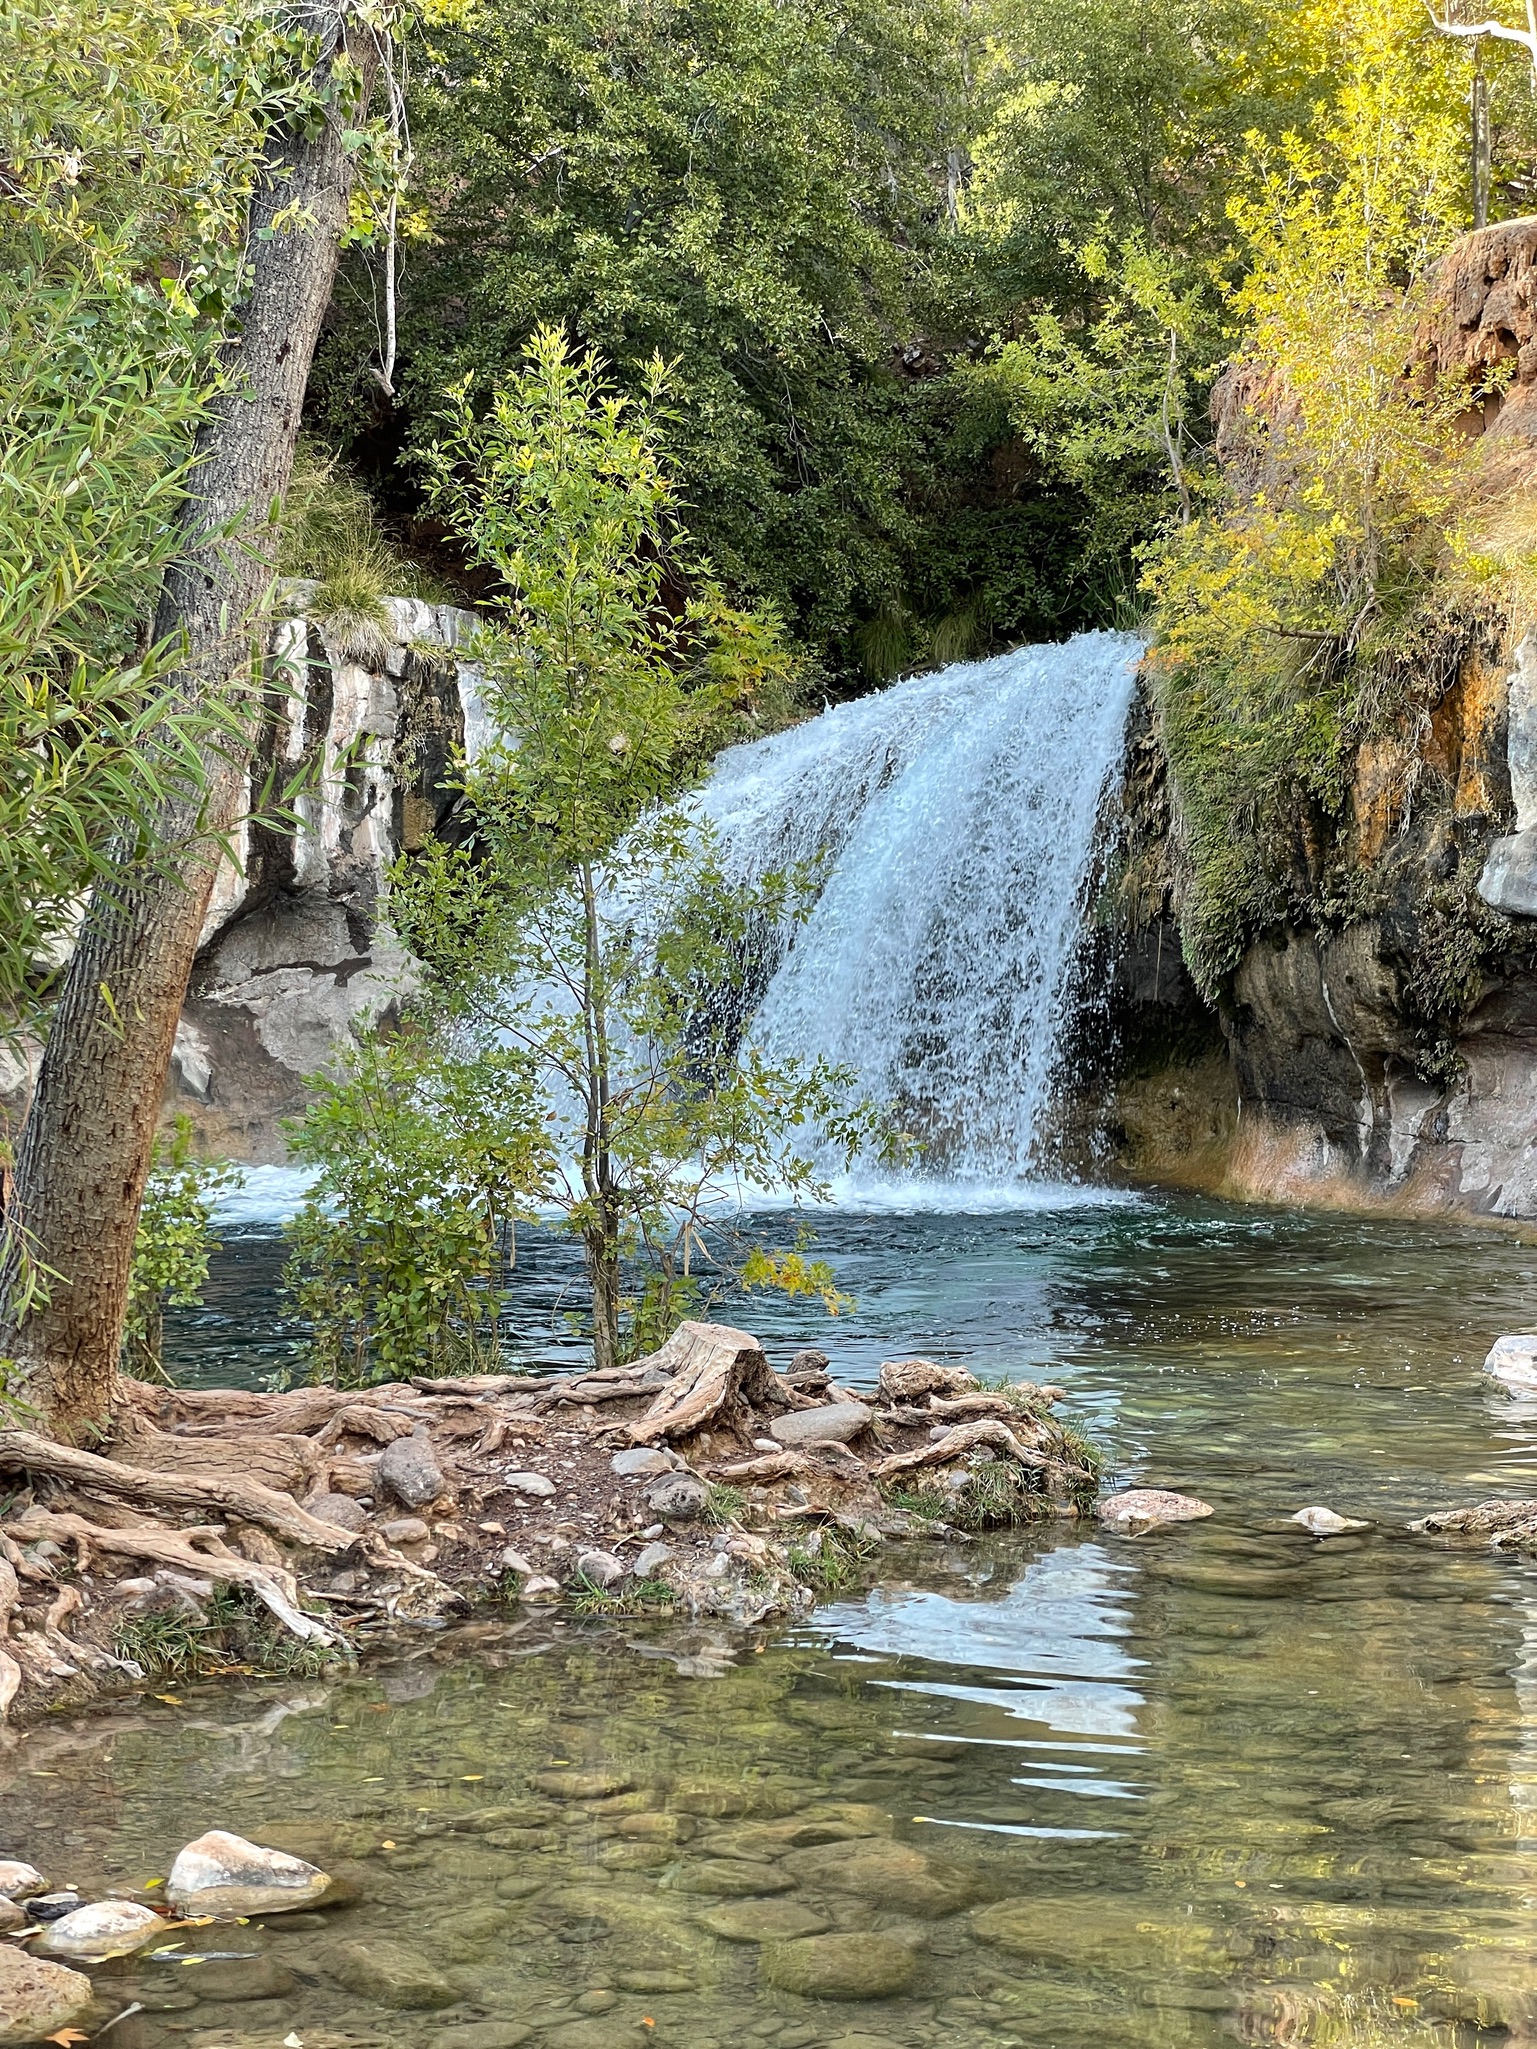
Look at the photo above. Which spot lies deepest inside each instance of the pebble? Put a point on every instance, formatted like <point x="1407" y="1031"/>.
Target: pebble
<point x="599" y="2000"/>
<point x="644" y="1461"/>
<point x="532" y="1484"/>
<point x="405" y="1529"/>
<point x="1323" y="1522"/>
<point x="410" y="1471"/>
<point x="17" y="1880"/>
<point x="109" y="1928"/>
<point x="835" y="1423"/>
<point x="514" y="1561"/>
<point x="847" y="1966"/>
<point x="650" y="1559"/>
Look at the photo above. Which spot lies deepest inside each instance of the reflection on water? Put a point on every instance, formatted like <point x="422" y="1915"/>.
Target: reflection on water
<point x="1226" y="1782"/>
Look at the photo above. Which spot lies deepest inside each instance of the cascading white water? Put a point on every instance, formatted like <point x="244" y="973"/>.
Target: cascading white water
<point x="957" y="812"/>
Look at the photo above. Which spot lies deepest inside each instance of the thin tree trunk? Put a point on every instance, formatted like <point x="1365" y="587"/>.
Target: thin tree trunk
<point x="85" y="1151"/>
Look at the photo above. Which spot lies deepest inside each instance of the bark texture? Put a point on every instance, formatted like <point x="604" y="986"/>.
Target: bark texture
<point x="85" y="1150"/>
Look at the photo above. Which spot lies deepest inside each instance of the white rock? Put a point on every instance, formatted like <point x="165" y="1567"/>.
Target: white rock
<point x="1513" y="1362"/>
<point x="224" y="1875"/>
<point x="833" y="1423"/>
<point x="651" y="1560"/>
<point x="1148" y="1508"/>
<point x="109" y="1928"/>
<point x="534" y="1484"/>
<point x="539" y="1588"/>
<point x="19" y="1881"/>
<point x="602" y="1568"/>
<point x="643" y="1461"/>
<point x="1323" y="1522"/>
<point x="514" y="1561"/>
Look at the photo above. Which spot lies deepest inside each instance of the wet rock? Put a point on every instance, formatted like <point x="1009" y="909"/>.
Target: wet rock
<point x="862" y="2041"/>
<point x="1149" y="1508"/>
<point x="405" y="1529"/>
<point x="599" y="2000"/>
<point x="729" y="1878"/>
<point x="224" y="1875"/>
<point x="1513" y="1362"/>
<point x="90" y="1935"/>
<point x="53" y="1906"/>
<point x="38" y="1999"/>
<point x="539" y="1589"/>
<point x="591" y="2034"/>
<point x="339" y="1509"/>
<point x="851" y="1966"/>
<point x="651" y="1559"/>
<point x="482" y="2035"/>
<point x="653" y="1981"/>
<point x="573" y="1785"/>
<point x="409" y="1470"/>
<point x="1323" y="1522"/>
<point x="834" y="1424"/>
<point x="644" y="1462"/>
<point x="679" y="1497"/>
<point x="392" y="1974"/>
<point x="888" y="1873"/>
<point x="599" y="1568"/>
<point x="18" y="1881"/>
<point x="762" y="1921"/>
<point x="534" y="1485"/>
<point x="659" y="1828"/>
<point x="1099" y="1933"/>
<point x="238" y="1979"/>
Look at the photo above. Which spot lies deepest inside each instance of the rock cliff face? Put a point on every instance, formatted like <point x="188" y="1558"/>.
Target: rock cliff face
<point x="1386" y="1052"/>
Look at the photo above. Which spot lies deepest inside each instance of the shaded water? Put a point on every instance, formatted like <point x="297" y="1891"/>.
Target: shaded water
<point x="1236" y="1783"/>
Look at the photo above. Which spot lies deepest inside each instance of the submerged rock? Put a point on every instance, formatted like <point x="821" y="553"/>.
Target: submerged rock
<point x="18" y="1881"/>
<point x="1513" y="1362"/>
<point x="224" y="1875"/>
<point x="1323" y="1522"/>
<point x="849" y="1966"/>
<point x="762" y="1921"/>
<point x="729" y="1878"/>
<point x="392" y="1974"/>
<point x="835" y="1423"/>
<point x="410" y="1471"/>
<point x="888" y="1873"/>
<point x="38" y="1999"/>
<point x="109" y="1928"/>
<point x="1149" y="1508"/>
<point x="482" y="2035"/>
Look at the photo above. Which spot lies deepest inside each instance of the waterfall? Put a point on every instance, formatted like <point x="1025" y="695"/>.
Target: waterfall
<point x="956" y="813"/>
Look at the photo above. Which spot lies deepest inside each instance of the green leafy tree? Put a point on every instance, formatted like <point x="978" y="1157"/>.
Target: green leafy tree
<point x="174" y="1244"/>
<point x="586" y="959"/>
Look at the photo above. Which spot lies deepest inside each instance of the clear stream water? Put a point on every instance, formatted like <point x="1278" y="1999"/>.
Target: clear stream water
<point x="1239" y="1784"/>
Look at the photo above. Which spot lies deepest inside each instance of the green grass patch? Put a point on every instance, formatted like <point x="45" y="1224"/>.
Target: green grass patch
<point x="640" y="1597"/>
<point x="829" y="1560"/>
<point x="236" y="1634"/>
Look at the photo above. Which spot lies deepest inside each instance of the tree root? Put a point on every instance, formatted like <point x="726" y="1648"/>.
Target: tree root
<point x="229" y="1494"/>
<point x="713" y="1372"/>
<point x="967" y="1437"/>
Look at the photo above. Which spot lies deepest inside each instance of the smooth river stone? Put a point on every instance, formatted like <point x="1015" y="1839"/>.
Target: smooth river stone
<point x="1149" y="1508"/>
<point x="890" y="1874"/>
<point x="392" y="1974"/>
<point x="728" y="1878"/>
<point x="482" y="2035"/>
<point x="93" y="1934"/>
<point x="762" y="1921"/>
<point x="224" y="1875"/>
<point x="839" y="1966"/>
<point x="19" y="1881"/>
<point x="660" y="1828"/>
<point x="835" y="1423"/>
<point x="574" y="1785"/>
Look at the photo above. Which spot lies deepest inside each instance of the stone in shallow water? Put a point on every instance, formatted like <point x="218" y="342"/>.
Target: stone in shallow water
<point x="850" y="1966"/>
<point x="38" y="1999"/>
<point x="392" y="1974"/>
<point x="890" y="1874"/>
<point x="18" y="1881"/>
<point x="729" y="1878"/>
<point x="224" y="1875"/>
<point x="482" y="2035"/>
<point x="653" y="1981"/>
<point x="659" y="1828"/>
<point x="1324" y="1522"/>
<point x="1513" y="1362"/>
<point x="240" y="1978"/>
<point x="762" y="1921"/>
<point x="109" y="1928"/>
<point x="1149" y="1508"/>
<point x="12" y="1917"/>
<point x="574" y="1785"/>
<point x="607" y="2032"/>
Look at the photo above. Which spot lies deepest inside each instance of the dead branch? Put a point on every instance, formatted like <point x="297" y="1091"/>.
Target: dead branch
<point x="774" y="1465"/>
<point x="26" y="1451"/>
<point x="956" y="1443"/>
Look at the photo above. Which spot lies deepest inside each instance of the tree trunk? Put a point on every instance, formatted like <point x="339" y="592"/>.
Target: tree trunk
<point x="85" y="1151"/>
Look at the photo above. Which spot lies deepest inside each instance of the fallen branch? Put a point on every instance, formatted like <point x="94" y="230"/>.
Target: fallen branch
<point x="25" y="1451"/>
<point x="956" y="1443"/>
<point x="774" y="1465"/>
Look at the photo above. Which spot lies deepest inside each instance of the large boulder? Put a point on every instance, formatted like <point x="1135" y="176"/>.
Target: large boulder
<point x="224" y="1875"/>
<point x="38" y="1999"/>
